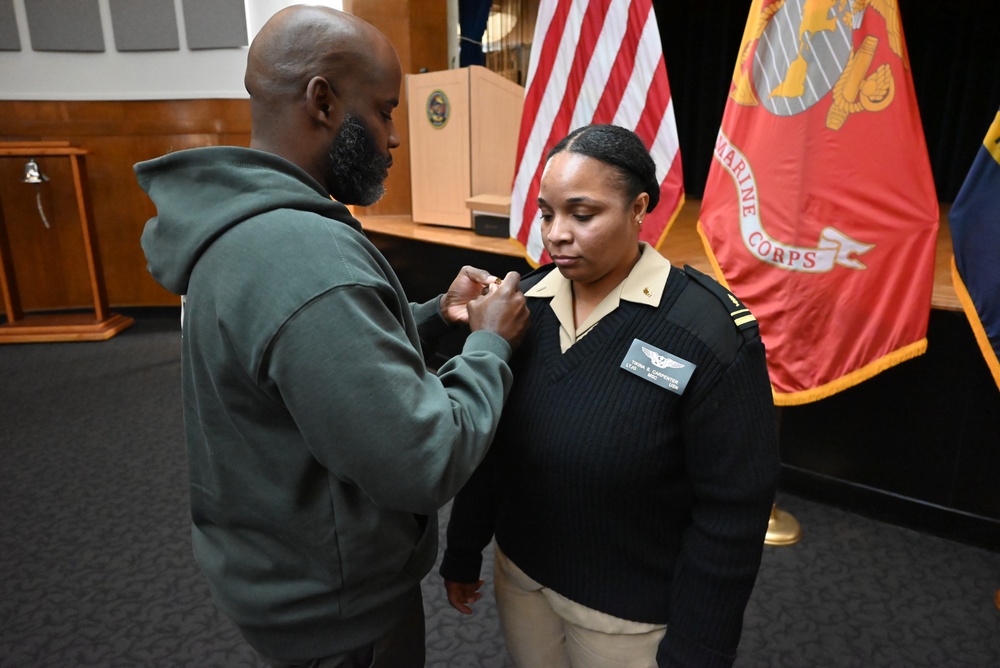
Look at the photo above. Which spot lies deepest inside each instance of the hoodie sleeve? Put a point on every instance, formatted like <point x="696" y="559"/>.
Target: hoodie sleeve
<point x="372" y="413"/>
<point x="431" y="325"/>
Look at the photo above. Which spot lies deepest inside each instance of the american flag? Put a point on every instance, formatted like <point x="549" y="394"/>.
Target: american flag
<point x="595" y="62"/>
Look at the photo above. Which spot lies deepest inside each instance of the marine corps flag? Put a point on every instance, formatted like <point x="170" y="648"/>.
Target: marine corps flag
<point x="596" y="61"/>
<point x="820" y="210"/>
<point x="975" y="234"/>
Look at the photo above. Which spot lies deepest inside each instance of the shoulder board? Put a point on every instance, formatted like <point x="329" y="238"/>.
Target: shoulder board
<point x="741" y="315"/>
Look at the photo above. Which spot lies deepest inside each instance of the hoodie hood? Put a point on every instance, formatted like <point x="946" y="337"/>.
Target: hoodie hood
<point x="202" y="193"/>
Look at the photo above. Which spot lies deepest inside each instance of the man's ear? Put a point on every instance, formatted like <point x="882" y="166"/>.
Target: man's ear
<point x="321" y="101"/>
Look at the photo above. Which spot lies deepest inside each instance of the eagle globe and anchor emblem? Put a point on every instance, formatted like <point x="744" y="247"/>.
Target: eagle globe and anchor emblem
<point x="804" y="50"/>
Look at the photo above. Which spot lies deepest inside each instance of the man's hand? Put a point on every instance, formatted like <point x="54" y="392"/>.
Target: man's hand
<point x="502" y="310"/>
<point x="463" y="595"/>
<point x="468" y="285"/>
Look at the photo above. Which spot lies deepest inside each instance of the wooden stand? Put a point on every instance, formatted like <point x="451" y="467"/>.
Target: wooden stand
<point x="463" y="141"/>
<point x="99" y="326"/>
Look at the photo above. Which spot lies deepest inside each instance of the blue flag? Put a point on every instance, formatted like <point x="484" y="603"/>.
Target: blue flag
<point x="975" y="233"/>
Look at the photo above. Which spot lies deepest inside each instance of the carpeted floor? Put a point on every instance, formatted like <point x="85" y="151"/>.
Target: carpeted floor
<point x="96" y="566"/>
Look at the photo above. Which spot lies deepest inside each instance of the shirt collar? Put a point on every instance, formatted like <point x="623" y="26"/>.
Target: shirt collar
<point x="644" y="284"/>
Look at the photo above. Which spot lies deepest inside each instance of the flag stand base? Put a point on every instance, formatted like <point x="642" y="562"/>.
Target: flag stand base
<point x="784" y="529"/>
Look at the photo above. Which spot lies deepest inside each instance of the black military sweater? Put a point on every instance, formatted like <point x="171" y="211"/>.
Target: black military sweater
<point x="621" y="495"/>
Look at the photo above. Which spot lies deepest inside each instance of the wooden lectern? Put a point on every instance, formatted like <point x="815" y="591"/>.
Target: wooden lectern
<point x="99" y="326"/>
<point x="463" y="140"/>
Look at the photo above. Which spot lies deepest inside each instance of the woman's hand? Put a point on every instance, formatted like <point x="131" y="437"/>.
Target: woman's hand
<point x="461" y="595"/>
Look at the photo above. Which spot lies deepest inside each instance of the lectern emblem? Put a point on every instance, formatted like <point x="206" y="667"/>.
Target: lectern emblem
<point x="438" y="109"/>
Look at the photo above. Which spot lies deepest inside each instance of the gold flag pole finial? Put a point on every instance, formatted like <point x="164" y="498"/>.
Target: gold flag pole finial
<point x="782" y="528"/>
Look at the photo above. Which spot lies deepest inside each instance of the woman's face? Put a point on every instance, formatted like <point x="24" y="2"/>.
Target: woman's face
<point x="589" y="226"/>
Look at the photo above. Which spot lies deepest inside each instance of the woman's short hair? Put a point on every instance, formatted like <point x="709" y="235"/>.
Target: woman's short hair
<point x="620" y="148"/>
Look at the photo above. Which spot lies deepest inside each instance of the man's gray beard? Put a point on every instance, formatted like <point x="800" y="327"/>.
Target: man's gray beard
<point x="359" y="168"/>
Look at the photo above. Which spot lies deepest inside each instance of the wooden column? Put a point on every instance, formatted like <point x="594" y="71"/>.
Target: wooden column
<point x="419" y="31"/>
<point x="100" y="325"/>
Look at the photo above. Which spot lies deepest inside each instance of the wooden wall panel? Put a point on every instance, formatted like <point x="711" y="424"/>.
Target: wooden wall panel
<point x="50" y="265"/>
<point x="418" y="30"/>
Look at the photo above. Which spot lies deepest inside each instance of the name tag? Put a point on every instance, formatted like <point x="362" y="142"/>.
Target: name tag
<point x="658" y="366"/>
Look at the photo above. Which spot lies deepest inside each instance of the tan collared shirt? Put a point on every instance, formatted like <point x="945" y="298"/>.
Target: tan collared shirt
<point x="644" y="285"/>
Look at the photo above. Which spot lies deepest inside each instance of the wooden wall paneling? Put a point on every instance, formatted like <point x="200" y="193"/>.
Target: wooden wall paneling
<point x="117" y="118"/>
<point x="122" y="209"/>
<point x="418" y="30"/>
<point x="51" y="271"/>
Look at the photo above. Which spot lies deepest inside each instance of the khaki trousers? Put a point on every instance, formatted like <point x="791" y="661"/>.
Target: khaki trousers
<point x="546" y="630"/>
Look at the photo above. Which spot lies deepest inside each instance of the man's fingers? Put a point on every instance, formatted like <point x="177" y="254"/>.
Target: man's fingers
<point x="477" y="275"/>
<point x="511" y="281"/>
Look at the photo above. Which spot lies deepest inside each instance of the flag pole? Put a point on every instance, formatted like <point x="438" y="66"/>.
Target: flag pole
<point x="782" y="527"/>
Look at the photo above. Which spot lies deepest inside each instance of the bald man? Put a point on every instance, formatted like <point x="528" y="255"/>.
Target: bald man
<point x="320" y="446"/>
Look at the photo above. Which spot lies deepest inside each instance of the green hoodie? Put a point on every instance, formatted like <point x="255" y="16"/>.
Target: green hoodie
<point x="317" y="439"/>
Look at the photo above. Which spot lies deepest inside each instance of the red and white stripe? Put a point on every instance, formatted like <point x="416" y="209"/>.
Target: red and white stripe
<point x="595" y="62"/>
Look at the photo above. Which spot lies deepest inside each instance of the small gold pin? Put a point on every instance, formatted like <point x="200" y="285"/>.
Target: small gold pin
<point x="646" y="292"/>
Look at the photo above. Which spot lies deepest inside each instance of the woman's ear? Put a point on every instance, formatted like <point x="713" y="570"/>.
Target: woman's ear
<point x="639" y="205"/>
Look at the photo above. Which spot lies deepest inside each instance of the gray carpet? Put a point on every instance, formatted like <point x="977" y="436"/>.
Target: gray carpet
<point x="97" y="569"/>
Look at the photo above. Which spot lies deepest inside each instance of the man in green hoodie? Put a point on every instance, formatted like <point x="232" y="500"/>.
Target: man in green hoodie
<point x="320" y="446"/>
